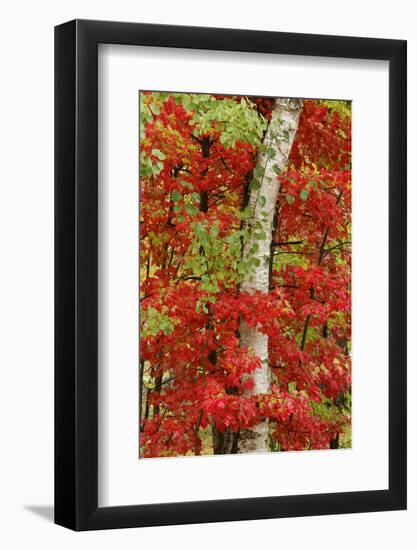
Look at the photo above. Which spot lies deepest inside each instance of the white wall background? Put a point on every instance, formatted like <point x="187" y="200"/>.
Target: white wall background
<point x="26" y="273"/>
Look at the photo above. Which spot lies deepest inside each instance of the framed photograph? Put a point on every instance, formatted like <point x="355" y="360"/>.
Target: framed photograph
<point x="230" y="253"/>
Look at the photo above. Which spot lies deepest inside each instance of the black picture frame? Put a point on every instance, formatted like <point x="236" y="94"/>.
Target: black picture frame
<point x="76" y="272"/>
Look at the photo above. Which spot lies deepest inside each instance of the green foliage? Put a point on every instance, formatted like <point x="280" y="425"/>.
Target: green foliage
<point x="176" y="196"/>
<point x="214" y="259"/>
<point x="330" y="409"/>
<point x="342" y="107"/>
<point x="158" y="153"/>
<point x="153" y="322"/>
<point x="147" y="166"/>
<point x="237" y="121"/>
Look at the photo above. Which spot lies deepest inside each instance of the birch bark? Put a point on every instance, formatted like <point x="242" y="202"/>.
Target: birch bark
<point x="278" y="141"/>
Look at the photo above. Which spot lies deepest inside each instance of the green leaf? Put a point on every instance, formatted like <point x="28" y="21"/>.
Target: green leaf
<point x="214" y="231"/>
<point x="158" y="153"/>
<point x="258" y="171"/>
<point x="304" y="194"/>
<point x="186" y="184"/>
<point x="290" y="199"/>
<point x="255" y="185"/>
<point x="176" y="196"/>
<point x="191" y="209"/>
<point x="245" y="214"/>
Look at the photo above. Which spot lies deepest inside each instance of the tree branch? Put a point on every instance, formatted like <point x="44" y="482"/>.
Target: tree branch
<point x="285" y="243"/>
<point x="340" y="245"/>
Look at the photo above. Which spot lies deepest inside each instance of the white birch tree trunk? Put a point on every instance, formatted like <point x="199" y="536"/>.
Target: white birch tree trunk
<point x="278" y="141"/>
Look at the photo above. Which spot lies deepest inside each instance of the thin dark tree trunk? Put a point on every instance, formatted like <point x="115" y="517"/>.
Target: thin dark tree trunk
<point x="220" y="439"/>
<point x="158" y="386"/>
<point x="334" y="443"/>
